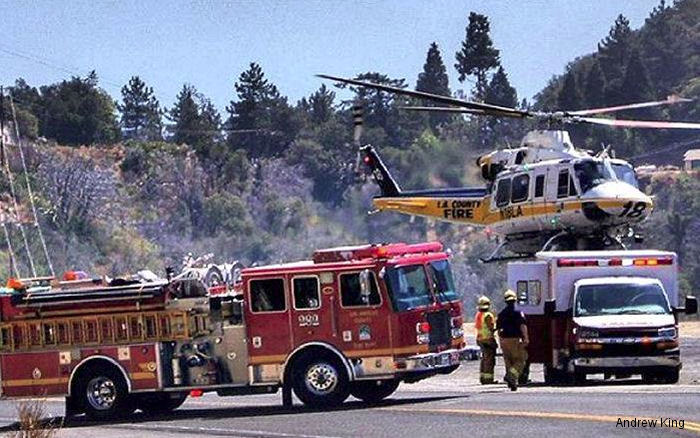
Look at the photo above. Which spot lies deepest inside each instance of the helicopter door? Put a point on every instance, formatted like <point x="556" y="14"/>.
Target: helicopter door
<point x="538" y="195"/>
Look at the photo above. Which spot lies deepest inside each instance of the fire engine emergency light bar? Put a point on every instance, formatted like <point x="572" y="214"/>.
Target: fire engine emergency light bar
<point x="347" y="253"/>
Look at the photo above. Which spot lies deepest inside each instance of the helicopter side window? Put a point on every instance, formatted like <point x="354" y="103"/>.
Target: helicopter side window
<point x="563" y="184"/>
<point x="521" y="188"/>
<point x="503" y="192"/>
<point x="572" y="187"/>
<point x="539" y="186"/>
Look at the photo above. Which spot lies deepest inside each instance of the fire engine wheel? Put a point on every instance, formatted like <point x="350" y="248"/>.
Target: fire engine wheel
<point x="372" y="391"/>
<point x="103" y="393"/>
<point x="160" y="403"/>
<point x="320" y="380"/>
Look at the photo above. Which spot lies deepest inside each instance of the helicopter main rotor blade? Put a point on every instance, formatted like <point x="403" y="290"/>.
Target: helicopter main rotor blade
<point x="652" y="124"/>
<point x="670" y="100"/>
<point x="449" y="109"/>
<point x="429" y="96"/>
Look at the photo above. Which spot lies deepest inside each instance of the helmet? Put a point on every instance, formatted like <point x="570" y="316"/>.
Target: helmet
<point x="484" y="303"/>
<point x="509" y="295"/>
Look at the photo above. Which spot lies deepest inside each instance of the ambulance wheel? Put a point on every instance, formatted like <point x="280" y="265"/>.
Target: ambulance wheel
<point x="671" y="376"/>
<point x="320" y="380"/>
<point x="553" y="376"/>
<point x="102" y="393"/>
<point x="160" y="403"/>
<point x="372" y="391"/>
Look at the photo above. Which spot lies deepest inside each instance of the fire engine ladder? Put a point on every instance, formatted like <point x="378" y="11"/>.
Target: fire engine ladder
<point x="13" y="216"/>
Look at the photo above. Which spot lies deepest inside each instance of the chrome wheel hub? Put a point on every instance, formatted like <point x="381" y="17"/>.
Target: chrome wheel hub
<point x="321" y="378"/>
<point x="101" y="393"/>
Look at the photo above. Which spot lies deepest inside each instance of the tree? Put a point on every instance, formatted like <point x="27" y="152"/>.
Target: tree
<point x="319" y="106"/>
<point x="662" y="47"/>
<point x="636" y="85"/>
<point x="78" y="112"/>
<point x="500" y="92"/>
<point x="594" y="87"/>
<point x="569" y="97"/>
<point x="433" y="79"/>
<point x="477" y="55"/>
<point x="261" y="121"/>
<point x="141" y="113"/>
<point x="613" y="50"/>
<point x="185" y="117"/>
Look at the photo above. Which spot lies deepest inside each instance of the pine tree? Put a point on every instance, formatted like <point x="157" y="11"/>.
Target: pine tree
<point x="319" y="106"/>
<point x="477" y="55"/>
<point x="433" y="79"/>
<point x="261" y="121"/>
<point x="141" y="113"/>
<point x="185" y="117"/>
<point x="636" y="85"/>
<point x="613" y="51"/>
<point x="661" y="48"/>
<point x="569" y="97"/>
<point x="500" y="92"/>
<point x="594" y="87"/>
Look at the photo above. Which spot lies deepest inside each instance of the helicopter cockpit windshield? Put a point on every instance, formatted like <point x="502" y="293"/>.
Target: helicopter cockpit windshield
<point x="592" y="173"/>
<point x="625" y="172"/>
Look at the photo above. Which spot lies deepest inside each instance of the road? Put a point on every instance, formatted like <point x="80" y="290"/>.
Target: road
<point x="453" y="405"/>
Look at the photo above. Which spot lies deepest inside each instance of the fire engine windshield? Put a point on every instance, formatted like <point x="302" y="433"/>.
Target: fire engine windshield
<point x="592" y="173"/>
<point x="443" y="283"/>
<point x="620" y="299"/>
<point x="408" y="287"/>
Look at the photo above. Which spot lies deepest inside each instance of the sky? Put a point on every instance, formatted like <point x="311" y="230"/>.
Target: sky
<point x="209" y="43"/>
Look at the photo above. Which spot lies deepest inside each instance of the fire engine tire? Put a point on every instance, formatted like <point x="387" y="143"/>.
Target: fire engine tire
<point x="372" y="391"/>
<point x="160" y="403"/>
<point x="320" y="379"/>
<point x="102" y="393"/>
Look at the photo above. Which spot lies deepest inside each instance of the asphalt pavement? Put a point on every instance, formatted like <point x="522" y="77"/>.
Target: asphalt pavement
<point x="452" y="405"/>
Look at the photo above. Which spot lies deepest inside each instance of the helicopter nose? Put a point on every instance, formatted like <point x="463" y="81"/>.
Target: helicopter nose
<point x="617" y="200"/>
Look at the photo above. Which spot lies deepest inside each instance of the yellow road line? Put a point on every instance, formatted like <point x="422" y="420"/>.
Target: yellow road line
<point x="695" y="427"/>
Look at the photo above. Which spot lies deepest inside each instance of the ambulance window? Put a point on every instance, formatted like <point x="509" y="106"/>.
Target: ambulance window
<point x="529" y="292"/>
<point x="563" y="184"/>
<point x="351" y="294"/>
<point x="521" y="188"/>
<point x="539" y="186"/>
<point x="503" y="192"/>
<point x="267" y="295"/>
<point x="306" y="294"/>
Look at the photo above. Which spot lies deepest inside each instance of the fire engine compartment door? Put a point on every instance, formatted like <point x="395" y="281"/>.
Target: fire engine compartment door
<point x="312" y="307"/>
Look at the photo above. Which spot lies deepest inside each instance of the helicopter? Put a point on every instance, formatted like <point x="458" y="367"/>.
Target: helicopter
<point x="545" y="194"/>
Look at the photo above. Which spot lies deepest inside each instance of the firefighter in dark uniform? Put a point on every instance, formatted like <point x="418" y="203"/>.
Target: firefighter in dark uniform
<point x="512" y="333"/>
<point x="485" y="325"/>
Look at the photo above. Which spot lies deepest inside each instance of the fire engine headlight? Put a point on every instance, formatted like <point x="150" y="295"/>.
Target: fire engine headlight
<point x="668" y="332"/>
<point x="587" y="333"/>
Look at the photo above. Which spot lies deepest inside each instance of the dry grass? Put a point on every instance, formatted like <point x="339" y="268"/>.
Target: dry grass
<point x="31" y="421"/>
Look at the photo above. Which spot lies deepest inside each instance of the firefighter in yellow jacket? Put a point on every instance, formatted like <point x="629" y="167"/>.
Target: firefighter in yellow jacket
<point x="485" y="324"/>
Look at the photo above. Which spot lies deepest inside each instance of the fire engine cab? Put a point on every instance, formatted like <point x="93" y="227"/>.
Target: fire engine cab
<point x="353" y="320"/>
<point x="610" y="312"/>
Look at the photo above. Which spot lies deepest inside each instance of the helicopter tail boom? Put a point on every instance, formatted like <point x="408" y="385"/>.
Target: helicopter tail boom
<point x="388" y="186"/>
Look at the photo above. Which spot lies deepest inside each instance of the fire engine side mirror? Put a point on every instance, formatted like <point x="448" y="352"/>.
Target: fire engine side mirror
<point x="691" y="305"/>
<point x="365" y="286"/>
<point x="550" y="306"/>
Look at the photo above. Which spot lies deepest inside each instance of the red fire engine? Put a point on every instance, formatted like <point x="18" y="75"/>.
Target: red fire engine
<point x="353" y="320"/>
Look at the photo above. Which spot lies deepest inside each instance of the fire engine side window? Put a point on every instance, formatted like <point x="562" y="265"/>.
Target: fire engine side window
<point x="539" y="186"/>
<point x="521" y="188"/>
<point x="529" y="292"/>
<point x="351" y="294"/>
<point x="563" y="184"/>
<point x="306" y="294"/>
<point x="503" y="192"/>
<point x="267" y="295"/>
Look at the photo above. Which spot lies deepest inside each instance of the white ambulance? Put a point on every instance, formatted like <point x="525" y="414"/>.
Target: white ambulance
<point x="610" y="312"/>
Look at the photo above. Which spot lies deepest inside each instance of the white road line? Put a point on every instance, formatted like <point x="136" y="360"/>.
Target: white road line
<point x="216" y="430"/>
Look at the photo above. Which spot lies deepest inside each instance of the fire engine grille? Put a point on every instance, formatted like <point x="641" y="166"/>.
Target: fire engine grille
<point x="440" y="332"/>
